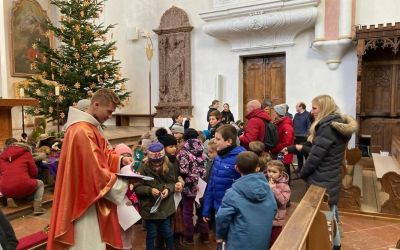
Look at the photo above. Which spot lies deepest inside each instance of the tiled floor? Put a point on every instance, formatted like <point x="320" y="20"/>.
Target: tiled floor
<point x="369" y="233"/>
<point x="359" y="232"/>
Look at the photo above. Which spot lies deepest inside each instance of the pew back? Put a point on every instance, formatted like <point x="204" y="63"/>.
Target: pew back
<point x="307" y="228"/>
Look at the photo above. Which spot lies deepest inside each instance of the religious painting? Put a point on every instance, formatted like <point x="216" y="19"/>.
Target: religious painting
<point x="28" y="25"/>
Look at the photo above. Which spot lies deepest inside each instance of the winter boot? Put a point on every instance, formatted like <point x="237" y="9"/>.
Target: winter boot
<point x="11" y="203"/>
<point x="37" y="208"/>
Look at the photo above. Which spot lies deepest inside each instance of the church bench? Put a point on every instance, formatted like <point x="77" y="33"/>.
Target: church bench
<point x="125" y="118"/>
<point x="352" y="181"/>
<point x="387" y="170"/>
<point x="308" y="227"/>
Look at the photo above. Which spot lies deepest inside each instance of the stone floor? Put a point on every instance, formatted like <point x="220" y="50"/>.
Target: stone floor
<point x="359" y="232"/>
<point x="364" y="233"/>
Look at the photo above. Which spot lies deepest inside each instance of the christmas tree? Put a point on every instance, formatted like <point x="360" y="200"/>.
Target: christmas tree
<point x="82" y="63"/>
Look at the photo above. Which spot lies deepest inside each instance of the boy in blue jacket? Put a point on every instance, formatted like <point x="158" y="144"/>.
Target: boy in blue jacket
<point x="223" y="171"/>
<point x="244" y="220"/>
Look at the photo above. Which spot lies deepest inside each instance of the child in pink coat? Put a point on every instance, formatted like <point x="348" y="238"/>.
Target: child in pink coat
<point x="278" y="182"/>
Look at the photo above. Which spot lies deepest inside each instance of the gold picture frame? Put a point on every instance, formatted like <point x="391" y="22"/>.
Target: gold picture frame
<point x="17" y="87"/>
<point x="28" y="23"/>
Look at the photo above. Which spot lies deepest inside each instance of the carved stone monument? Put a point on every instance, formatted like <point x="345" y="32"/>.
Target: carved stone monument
<point x="174" y="63"/>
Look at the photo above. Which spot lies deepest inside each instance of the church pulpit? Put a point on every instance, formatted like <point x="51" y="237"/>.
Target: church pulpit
<point x="5" y="115"/>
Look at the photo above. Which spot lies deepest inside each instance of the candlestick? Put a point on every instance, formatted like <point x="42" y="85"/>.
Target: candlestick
<point x="21" y="92"/>
<point x="57" y="90"/>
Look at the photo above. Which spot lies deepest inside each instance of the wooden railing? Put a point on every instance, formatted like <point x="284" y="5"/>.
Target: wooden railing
<point x="307" y="228"/>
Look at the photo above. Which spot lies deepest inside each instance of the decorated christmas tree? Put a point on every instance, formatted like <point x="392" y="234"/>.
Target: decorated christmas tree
<point x="81" y="62"/>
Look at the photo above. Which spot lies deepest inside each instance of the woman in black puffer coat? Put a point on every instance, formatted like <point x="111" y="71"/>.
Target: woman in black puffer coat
<point x="329" y="135"/>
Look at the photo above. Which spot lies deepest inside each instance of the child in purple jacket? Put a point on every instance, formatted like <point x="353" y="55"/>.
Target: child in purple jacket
<point x="191" y="168"/>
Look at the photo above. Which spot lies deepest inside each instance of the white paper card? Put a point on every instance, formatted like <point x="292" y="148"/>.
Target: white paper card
<point x="127" y="215"/>
<point x="177" y="199"/>
<point x="201" y="187"/>
<point x="126" y="171"/>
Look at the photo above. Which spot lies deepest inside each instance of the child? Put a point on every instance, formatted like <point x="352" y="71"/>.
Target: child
<point x="223" y="171"/>
<point x="169" y="142"/>
<point x="211" y="154"/>
<point x="156" y="165"/>
<point x="214" y="106"/>
<point x="123" y="150"/>
<point x="263" y="157"/>
<point x="248" y="208"/>
<point x="191" y="167"/>
<point x="278" y="182"/>
<point x="178" y="118"/>
<point x="178" y="130"/>
<point x="214" y="124"/>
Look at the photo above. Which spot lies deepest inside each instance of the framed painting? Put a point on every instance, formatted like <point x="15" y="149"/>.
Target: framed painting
<point x="28" y="24"/>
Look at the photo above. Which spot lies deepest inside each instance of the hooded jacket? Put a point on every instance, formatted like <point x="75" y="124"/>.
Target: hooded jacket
<point x="255" y="128"/>
<point x="246" y="214"/>
<point x="222" y="175"/>
<point x="325" y="159"/>
<point x="282" y="194"/>
<point x="285" y="138"/>
<point x="191" y="165"/>
<point x="17" y="171"/>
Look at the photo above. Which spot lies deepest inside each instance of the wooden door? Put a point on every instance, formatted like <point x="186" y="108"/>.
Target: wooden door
<point x="380" y="103"/>
<point x="264" y="77"/>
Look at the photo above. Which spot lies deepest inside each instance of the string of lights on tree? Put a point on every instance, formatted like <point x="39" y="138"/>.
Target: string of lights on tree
<point x="81" y="63"/>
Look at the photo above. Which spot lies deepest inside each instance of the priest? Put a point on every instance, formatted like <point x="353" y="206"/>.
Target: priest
<point x="84" y="213"/>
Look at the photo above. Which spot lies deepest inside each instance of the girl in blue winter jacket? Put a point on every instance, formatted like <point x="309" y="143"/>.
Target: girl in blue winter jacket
<point x="223" y="171"/>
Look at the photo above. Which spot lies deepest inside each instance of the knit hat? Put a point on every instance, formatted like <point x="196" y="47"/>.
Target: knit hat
<point x="167" y="140"/>
<point x="122" y="148"/>
<point x="177" y="129"/>
<point x="280" y="109"/>
<point x="190" y="133"/>
<point x="156" y="152"/>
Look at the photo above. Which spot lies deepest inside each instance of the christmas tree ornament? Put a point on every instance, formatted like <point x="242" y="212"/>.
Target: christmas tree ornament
<point x="77" y="85"/>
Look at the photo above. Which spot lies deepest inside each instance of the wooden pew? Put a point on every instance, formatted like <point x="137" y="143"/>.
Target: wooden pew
<point x="352" y="181"/>
<point x="388" y="174"/>
<point x="307" y="228"/>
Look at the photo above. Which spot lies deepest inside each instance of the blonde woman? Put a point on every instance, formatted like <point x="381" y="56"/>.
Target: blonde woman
<point x="329" y="135"/>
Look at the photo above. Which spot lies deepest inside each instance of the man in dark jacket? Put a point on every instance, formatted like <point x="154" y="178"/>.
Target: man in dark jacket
<point x="301" y="125"/>
<point x="255" y="128"/>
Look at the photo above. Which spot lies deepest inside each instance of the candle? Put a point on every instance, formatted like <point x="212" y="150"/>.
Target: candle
<point x="57" y="90"/>
<point x="21" y="92"/>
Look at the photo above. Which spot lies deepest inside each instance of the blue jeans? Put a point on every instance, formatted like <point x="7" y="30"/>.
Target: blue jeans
<point x="336" y="240"/>
<point x="164" y="226"/>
